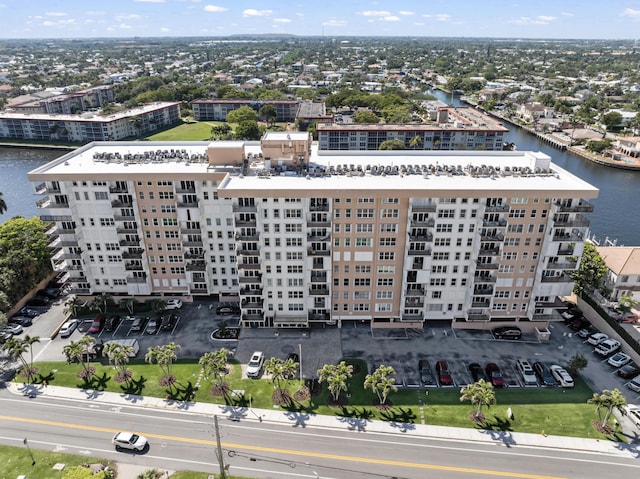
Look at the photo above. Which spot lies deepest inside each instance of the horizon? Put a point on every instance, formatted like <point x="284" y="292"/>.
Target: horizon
<point x="500" y="19"/>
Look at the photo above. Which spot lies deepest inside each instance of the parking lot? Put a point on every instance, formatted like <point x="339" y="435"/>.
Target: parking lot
<point x="323" y="345"/>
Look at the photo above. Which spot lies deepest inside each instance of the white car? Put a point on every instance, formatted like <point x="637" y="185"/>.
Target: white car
<point x="618" y="360"/>
<point x="173" y="304"/>
<point x="562" y="376"/>
<point x="254" y="366"/>
<point x="597" y="338"/>
<point x="528" y="374"/>
<point x="14" y="329"/>
<point x="68" y="328"/>
<point x="607" y="347"/>
<point x="129" y="441"/>
<point x="633" y="413"/>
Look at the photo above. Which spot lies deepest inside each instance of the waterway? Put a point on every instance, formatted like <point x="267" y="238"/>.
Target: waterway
<point x="616" y="211"/>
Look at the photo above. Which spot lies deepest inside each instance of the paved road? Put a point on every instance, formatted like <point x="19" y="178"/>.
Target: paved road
<point x="293" y="446"/>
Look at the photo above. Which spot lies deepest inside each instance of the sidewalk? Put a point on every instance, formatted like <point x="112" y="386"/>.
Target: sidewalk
<point x="361" y="426"/>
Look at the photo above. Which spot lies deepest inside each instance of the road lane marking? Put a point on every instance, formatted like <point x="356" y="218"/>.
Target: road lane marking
<point x="336" y="457"/>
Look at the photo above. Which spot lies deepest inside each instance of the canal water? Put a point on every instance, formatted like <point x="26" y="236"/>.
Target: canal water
<point x="616" y="211"/>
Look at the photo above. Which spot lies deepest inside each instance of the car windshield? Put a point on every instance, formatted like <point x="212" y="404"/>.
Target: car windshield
<point x="134" y="438"/>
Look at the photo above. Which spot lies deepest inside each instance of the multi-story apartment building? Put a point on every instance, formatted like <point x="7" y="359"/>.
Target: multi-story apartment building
<point x="89" y="126"/>
<point x="454" y="129"/>
<point x="66" y="103"/>
<point x="217" y="110"/>
<point x="394" y="238"/>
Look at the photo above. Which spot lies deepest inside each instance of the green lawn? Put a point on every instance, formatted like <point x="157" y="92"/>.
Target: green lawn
<point x="556" y="411"/>
<point x="200" y="131"/>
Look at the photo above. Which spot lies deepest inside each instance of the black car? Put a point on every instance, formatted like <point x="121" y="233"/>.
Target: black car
<point x="578" y="323"/>
<point x="629" y="371"/>
<point x="167" y="323"/>
<point x="477" y="373"/>
<point x="112" y="323"/>
<point x="294" y="357"/>
<point x="228" y="308"/>
<point x="51" y="293"/>
<point x="426" y="375"/>
<point x="38" y="301"/>
<point x="544" y="374"/>
<point x="21" y="320"/>
<point x="507" y="332"/>
<point x="30" y="313"/>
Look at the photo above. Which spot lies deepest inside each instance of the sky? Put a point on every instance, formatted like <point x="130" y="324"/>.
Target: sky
<point x="595" y="19"/>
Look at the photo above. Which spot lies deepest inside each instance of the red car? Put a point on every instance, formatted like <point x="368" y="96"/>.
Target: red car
<point x="96" y="325"/>
<point x="495" y="375"/>
<point x="444" y="376"/>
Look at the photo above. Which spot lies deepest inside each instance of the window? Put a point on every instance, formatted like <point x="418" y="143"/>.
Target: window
<point x="385" y="282"/>
<point x="386" y="256"/>
<point x="384" y="294"/>
<point x="388" y="228"/>
<point x="364" y="228"/>
<point x="387" y="241"/>
<point x="384" y="269"/>
<point x="389" y="213"/>
<point x="446" y="213"/>
<point x="364" y="242"/>
<point x="362" y="282"/>
<point x="365" y="213"/>
<point x="444" y="228"/>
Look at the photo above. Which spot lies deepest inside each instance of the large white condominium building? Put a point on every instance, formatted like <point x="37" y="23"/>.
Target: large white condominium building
<point x="394" y="238"/>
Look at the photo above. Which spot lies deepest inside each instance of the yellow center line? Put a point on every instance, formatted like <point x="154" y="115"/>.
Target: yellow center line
<point x="292" y="452"/>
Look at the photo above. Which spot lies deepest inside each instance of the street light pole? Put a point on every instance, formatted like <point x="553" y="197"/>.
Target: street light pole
<point x="223" y="471"/>
<point x="300" y="360"/>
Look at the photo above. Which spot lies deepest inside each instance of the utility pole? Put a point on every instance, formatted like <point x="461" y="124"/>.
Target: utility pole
<point x="223" y="472"/>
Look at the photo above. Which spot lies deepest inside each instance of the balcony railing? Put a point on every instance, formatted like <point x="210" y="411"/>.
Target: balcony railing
<point x="188" y="204"/>
<point x="196" y="266"/>
<point x="136" y="279"/>
<point x="412" y="317"/>
<point x="413" y="303"/>
<point x="319" y="207"/>
<point x="249" y="279"/>
<point x="250" y="291"/>
<point x="569" y="237"/>
<point x="132" y="254"/>
<point x="190" y="231"/>
<point x="319" y="316"/>
<point x="483" y="291"/>
<point x="121" y="203"/>
<point x="424" y="223"/>
<point x="482" y="265"/>
<point x="245" y="208"/>
<point x="247" y="237"/>
<point x="252" y="304"/>
<point x="248" y="266"/>
<point x="566" y="251"/>
<point x="421" y="237"/>
<point x="415" y="292"/>
<point x="582" y="207"/>
<point x="319" y="223"/>
<point x="578" y="222"/>
<point x="562" y="265"/>
<point x="319" y="278"/>
<point x="419" y="252"/>
<point x="501" y="223"/>
<point x="127" y="230"/>
<point x="124" y="217"/>
<point x="487" y="236"/>
<point x="488" y="251"/>
<point x="194" y="255"/>
<point x="497" y="208"/>
<point x="246" y="222"/>
<point x="478" y="316"/>
<point x="318" y="291"/>
<point x="557" y="279"/>
<point x="484" y="279"/>
<point x="248" y="251"/>
<point x="318" y="252"/>
<point x="318" y="237"/>
<point x="186" y="189"/>
<point x="193" y="243"/>
<point x="133" y="267"/>
<point x="119" y="189"/>
<point x="129" y="242"/>
<point x="428" y="208"/>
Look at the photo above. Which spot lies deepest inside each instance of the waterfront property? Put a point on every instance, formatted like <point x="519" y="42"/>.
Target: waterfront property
<point x="453" y="129"/>
<point x="89" y="126"/>
<point x="298" y="236"/>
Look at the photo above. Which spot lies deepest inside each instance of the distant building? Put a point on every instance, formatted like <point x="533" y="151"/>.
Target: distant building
<point x="217" y="110"/>
<point x="300" y="237"/>
<point x="89" y="126"/>
<point x="454" y="129"/>
<point x="65" y="103"/>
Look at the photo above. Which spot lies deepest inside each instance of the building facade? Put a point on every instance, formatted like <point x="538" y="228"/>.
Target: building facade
<point x="302" y="237"/>
<point x="217" y="110"/>
<point x="89" y="126"/>
<point x="453" y="129"/>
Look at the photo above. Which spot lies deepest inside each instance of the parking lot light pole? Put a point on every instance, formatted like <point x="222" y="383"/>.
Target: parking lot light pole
<point x="300" y="361"/>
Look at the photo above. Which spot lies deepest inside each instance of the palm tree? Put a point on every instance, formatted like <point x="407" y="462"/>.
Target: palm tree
<point x="336" y="377"/>
<point x="72" y="307"/>
<point x="119" y="355"/>
<point x="16" y="348"/>
<point x="128" y="304"/>
<point x="73" y="351"/>
<point x="86" y="347"/>
<point x="290" y="367"/>
<point x="157" y="305"/>
<point x="275" y="367"/>
<point x="164" y="356"/>
<point x="480" y="394"/>
<point x="3" y="204"/>
<point x="609" y="400"/>
<point x="102" y="302"/>
<point x="214" y="364"/>
<point x="415" y="142"/>
<point x="380" y="382"/>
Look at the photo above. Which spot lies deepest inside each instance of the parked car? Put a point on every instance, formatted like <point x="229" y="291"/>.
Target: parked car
<point x="168" y="322"/>
<point x="607" y="347"/>
<point x="152" y="326"/>
<point x="173" y="304"/>
<point x="528" y="374"/>
<point x="96" y="325"/>
<point x="129" y="441"/>
<point x="571" y="314"/>
<point x="112" y="323"/>
<point x="426" y="375"/>
<point x="444" y="376"/>
<point x="139" y="323"/>
<point x="628" y="317"/>
<point x="68" y="328"/>
<point x="228" y="308"/>
<point x="5" y="336"/>
<point x="597" y="338"/>
<point x="29" y="313"/>
<point x="619" y="359"/>
<point x="254" y="366"/>
<point x="507" y="332"/>
<point x="477" y="373"/>
<point x="495" y="375"/>
<point x="562" y="376"/>
<point x="38" y="301"/>
<point x="629" y="371"/>
<point x="634" y="384"/>
<point x="587" y="331"/>
<point x="544" y="374"/>
<point x="23" y="321"/>
<point x="51" y="293"/>
<point x="633" y="413"/>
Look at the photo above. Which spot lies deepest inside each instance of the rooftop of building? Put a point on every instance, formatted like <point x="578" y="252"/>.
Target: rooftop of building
<point x="332" y="171"/>
<point x="621" y="259"/>
<point x="93" y="116"/>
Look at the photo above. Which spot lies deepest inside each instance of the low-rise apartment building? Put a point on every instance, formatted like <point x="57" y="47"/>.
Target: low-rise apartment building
<point x="454" y="129"/>
<point x="217" y="109"/>
<point x="89" y="126"/>
<point x="394" y="238"/>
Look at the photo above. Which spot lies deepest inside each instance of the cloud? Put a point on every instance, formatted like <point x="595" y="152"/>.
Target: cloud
<point x="125" y="26"/>
<point x="391" y="18"/>
<point x="149" y="1"/>
<point x="59" y="23"/>
<point x="631" y="13"/>
<point x="252" y="12"/>
<point x="215" y="9"/>
<point x="334" y="23"/>
<point x="539" y="20"/>
<point x="164" y="30"/>
<point x="130" y="16"/>
<point x="406" y="12"/>
<point x="567" y="14"/>
<point x="375" y="13"/>
<point x="282" y="20"/>
<point x="440" y="17"/>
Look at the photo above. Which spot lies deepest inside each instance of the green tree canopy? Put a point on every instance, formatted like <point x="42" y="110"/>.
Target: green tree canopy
<point x="248" y="130"/>
<point x="591" y="271"/>
<point x="611" y="119"/>
<point x="391" y="145"/>
<point x="244" y="113"/>
<point x="365" y="116"/>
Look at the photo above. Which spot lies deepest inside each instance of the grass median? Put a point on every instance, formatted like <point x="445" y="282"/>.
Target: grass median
<point x="555" y="411"/>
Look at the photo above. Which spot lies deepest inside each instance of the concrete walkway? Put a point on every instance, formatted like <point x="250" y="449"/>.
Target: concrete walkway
<point x="361" y="426"/>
